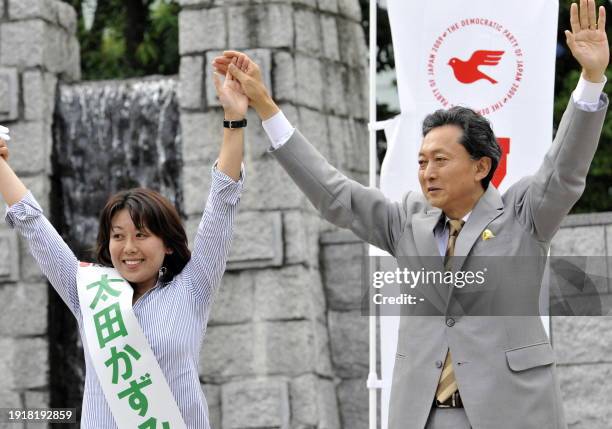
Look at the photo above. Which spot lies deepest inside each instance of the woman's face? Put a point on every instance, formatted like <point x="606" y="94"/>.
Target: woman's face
<point x="136" y="254"/>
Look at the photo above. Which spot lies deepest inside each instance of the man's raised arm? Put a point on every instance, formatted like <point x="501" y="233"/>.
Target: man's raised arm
<point x="340" y="200"/>
<point x="560" y="181"/>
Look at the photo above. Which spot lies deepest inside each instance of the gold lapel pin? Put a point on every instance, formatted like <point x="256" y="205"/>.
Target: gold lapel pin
<point x="487" y="234"/>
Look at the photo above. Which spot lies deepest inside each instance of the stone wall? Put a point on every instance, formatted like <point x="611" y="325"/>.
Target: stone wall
<point x="583" y="345"/>
<point x="38" y="47"/>
<point x="267" y="357"/>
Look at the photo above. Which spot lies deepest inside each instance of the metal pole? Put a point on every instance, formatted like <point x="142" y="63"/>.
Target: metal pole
<point x="373" y="382"/>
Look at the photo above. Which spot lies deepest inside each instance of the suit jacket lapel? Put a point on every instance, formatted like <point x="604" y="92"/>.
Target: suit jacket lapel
<point x="423" y="225"/>
<point x="489" y="207"/>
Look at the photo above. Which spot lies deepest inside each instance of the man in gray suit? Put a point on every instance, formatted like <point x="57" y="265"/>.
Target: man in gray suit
<point x="453" y="371"/>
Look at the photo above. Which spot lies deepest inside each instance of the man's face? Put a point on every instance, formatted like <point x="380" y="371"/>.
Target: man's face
<point x="449" y="177"/>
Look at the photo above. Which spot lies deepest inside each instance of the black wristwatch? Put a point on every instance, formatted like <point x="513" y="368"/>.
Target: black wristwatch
<point x="235" y="124"/>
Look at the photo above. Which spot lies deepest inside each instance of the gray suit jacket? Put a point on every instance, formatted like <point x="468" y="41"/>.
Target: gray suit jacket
<point x="504" y="366"/>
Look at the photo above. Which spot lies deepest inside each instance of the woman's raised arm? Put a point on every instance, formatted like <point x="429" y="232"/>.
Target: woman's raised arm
<point x="54" y="257"/>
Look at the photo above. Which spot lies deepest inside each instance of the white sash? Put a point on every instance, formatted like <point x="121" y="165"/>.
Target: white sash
<point x="133" y="383"/>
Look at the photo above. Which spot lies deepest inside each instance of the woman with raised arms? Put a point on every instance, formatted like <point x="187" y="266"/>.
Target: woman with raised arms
<point x="142" y="309"/>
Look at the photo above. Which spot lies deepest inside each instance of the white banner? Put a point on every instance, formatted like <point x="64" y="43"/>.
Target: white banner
<point x="132" y="381"/>
<point x="497" y="58"/>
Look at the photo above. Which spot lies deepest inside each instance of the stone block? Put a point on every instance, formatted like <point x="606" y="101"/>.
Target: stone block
<point x="301" y="230"/>
<point x="234" y="300"/>
<point x="585" y="389"/>
<point x="28" y="9"/>
<point x="201" y="135"/>
<point x="66" y="17"/>
<point x="196" y="186"/>
<point x="339" y="139"/>
<point x="350" y="37"/>
<point x="356" y="98"/>
<point x="9" y="94"/>
<point x="212" y="393"/>
<point x="585" y="248"/>
<point x="9" y="399"/>
<point x="288" y="348"/>
<point x="31" y="146"/>
<point x="322" y="351"/>
<point x="314" y="126"/>
<point x="348" y="333"/>
<point x="309" y="79"/>
<point x="328" y="5"/>
<point x="269" y="187"/>
<point x="329" y="33"/>
<point x="256" y="141"/>
<point x="313" y="403"/>
<point x="343" y="275"/>
<point x="307" y="32"/>
<point x="255" y="404"/>
<point x="284" y="77"/>
<point x="335" y="94"/>
<point x="257" y="242"/>
<point x="201" y="30"/>
<point x="38" y="95"/>
<point x="350" y="9"/>
<point x="23" y="43"/>
<point x="9" y="256"/>
<point x="291" y="293"/>
<point x="35" y="399"/>
<point x="578" y="340"/>
<point x="353" y="403"/>
<point x="262" y="58"/>
<point x="356" y="152"/>
<point x="228" y="352"/>
<point x="190" y="93"/>
<point x="25" y="309"/>
<point x="579" y="241"/>
<point x="72" y="73"/>
<point x="24" y="363"/>
<point x="39" y="186"/>
<point x="191" y="228"/>
<point x="274" y="27"/>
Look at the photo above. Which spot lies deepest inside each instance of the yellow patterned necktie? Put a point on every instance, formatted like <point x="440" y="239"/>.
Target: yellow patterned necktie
<point x="447" y="384"/>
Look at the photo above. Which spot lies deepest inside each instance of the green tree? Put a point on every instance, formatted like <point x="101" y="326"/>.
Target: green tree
<point x="128" y="38"/>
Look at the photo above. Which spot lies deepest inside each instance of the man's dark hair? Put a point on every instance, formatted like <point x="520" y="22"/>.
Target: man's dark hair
<point x="478" y="137"/>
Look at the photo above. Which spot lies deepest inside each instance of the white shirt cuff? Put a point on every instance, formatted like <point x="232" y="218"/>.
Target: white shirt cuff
<point x="587" y="94"/>
<point x="279" y="129"/>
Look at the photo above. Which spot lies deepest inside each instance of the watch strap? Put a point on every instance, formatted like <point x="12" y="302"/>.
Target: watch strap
<point x="235" y="124"/>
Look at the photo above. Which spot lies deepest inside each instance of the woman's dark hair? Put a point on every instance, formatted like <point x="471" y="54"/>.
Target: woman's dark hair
<point x="478" y="137"/>
<point x="148" y="209"/>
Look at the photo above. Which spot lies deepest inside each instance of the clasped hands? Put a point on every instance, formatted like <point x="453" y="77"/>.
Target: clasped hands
<point x="238" y="67"/>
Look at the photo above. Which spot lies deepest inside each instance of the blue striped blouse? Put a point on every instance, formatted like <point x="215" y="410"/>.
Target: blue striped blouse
<point x="172" y="315"/>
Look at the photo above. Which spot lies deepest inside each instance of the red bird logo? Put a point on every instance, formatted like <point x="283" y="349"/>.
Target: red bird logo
<point x="467" y="71"/>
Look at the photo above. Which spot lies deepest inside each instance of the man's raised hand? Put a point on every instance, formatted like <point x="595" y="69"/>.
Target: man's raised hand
<point x="588" y="40"/>
<point x="248" y="73"/>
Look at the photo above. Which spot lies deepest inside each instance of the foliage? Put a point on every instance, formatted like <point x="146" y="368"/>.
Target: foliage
<point x="128" y="38"/>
